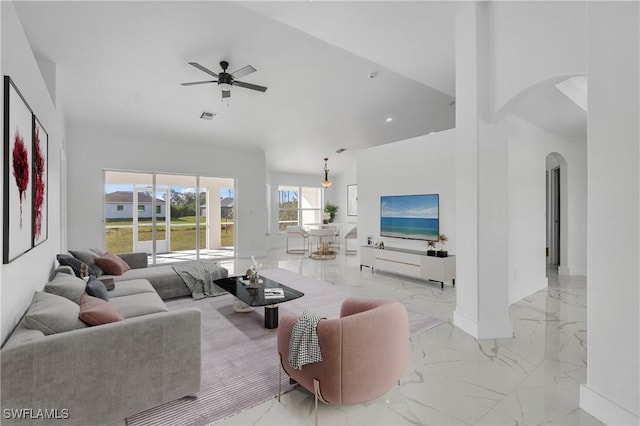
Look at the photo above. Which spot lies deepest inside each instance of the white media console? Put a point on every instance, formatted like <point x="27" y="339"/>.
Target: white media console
<point x="413" y="263"/>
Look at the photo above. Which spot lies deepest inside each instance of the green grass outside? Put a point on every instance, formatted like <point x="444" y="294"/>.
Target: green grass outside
<point x="120" y="239"/>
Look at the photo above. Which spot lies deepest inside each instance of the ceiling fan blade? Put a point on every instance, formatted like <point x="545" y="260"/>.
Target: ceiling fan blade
<point x="249" y="86"/>
<point x="226" y="94"/>
<point x="201" y="68"/>
<point x="243" y="71"/>
<point x="199" y="82"/>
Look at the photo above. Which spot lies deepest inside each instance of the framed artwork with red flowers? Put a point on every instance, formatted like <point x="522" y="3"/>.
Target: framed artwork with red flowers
<point x="18" y="176"/>
<point x="40" y="183"/>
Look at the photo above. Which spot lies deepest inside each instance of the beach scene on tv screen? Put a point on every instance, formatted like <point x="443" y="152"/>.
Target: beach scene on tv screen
<point x="409" y="216"/>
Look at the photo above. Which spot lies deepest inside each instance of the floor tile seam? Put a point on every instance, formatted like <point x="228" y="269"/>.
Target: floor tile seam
<point x="507" y="395"/>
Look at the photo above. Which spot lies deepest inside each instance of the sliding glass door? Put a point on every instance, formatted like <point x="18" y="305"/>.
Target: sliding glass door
<point x="170" y="217"/>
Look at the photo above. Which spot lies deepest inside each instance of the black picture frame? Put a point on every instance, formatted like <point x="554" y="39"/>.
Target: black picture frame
<point x="18" y="177"/>
<point x="40" y="169"/>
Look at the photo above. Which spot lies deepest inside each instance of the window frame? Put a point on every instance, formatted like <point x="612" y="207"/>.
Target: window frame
<point x="300" y="190"/>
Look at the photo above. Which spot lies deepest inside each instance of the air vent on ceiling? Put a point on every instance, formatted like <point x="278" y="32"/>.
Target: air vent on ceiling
<point x="206" y="115"/>
<point x="341" y="150"/>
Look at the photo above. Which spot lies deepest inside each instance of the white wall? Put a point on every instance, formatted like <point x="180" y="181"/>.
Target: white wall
<point x="532" y="42"/>
<point x="529" y="147"/>
<point x="92" y="149"/>
<point x="612" y="391"/>
<point x="421" y="165"/>
<point x="32" y="270"/>
<point x="348" y="177"/>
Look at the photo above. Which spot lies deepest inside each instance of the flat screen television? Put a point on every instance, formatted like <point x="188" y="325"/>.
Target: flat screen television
<point x="413" y="217"/>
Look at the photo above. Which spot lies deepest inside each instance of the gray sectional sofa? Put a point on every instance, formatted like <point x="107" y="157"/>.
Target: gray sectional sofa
<point x="58" y="370"/>
<point x="163" y="278"/>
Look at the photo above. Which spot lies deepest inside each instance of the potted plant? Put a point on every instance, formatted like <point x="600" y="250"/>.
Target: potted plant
<point x="442" y="239"/>
<point x="431" y="248"/>
<point x="332" y="209"/>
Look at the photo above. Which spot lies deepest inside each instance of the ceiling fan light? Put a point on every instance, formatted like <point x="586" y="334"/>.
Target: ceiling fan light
<point x="224" y="86"/>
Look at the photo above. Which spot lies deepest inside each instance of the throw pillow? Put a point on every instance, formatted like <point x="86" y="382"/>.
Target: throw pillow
<point x="96" y="288"/>
<point x="95" y="311"/>
<point x="112" y="264"/>
<point x="108" y="283"/>
<point x="67" y="286"/>
<point x="75" y="264"/>
<point x="52" y="314"/>
<point x="98" y="251"/>
<point x="88" y="257"/>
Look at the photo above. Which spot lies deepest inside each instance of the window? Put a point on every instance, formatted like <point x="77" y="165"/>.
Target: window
<point x="172" y="217"/>
<point x="298" y="206"/>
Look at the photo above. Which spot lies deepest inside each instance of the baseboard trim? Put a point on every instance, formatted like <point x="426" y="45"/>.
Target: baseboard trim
<point x="604" y="409"/>
<point x="488" y="329"/>
<point x="572" y="270"/>
<point x="528" y="289"/>
<point x="465" y="324"/>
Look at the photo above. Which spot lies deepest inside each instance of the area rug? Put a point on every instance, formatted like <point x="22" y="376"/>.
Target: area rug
<point x="239" y="358"/>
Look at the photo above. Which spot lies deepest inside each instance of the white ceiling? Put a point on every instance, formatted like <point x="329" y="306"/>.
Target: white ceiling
<point x="121" y="63"/>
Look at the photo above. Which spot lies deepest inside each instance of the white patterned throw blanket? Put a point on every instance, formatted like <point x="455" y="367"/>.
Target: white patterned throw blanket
<point x="199" y="275"/>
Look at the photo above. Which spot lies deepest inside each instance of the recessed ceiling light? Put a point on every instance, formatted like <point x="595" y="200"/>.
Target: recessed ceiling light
<point x="388" y="119"/>
<point x="206" y="115"/>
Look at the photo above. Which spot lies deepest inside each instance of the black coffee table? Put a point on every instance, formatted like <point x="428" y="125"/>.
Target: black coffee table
<point x="254" y="296"/>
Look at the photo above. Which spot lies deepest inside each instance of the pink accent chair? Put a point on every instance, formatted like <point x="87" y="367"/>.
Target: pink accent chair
<point x="364" y="352"/>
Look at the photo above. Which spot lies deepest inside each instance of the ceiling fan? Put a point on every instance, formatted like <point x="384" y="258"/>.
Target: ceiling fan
<point x="225" y="80"/>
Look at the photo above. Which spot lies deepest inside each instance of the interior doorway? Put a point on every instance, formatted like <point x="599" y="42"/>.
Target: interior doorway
<point x="553" y="216"/>
<point x="556" y="211"/>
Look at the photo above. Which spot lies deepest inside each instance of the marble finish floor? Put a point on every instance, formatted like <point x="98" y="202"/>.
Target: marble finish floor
<point x="452" y="378"/>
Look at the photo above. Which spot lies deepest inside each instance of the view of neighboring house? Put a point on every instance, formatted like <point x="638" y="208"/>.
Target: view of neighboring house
<point x="226" y="208"/>
<point x="119" y="205"/>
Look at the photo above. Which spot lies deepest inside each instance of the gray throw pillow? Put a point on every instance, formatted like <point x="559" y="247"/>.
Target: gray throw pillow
<point x="88" y="257"/>
<point x="96" y="288"/>
<point x="67" y="286"/>
<point x="52" y="314"/>
<point x="75" y="264"/>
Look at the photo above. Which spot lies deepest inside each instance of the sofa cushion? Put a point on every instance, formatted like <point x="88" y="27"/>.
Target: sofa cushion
<point x="128" y="287"/>
<point x="96" y="288"/>
<point x="52" y="314"/>
<point x="96" y="311"/>
<point x="135" y="305"/>
<point x="112" y="264"/>
<point x="67" y="286"/>
<point x="164" y="279"/>
<point x="88" y="257"/>
<point x="75" y="264"/>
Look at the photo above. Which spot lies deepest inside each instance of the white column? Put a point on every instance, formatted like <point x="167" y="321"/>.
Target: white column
<point x="613" y="209"/>
<point x="482" y="291"/>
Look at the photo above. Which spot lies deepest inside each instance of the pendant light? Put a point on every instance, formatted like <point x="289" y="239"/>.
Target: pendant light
<point x="326" y="182"/>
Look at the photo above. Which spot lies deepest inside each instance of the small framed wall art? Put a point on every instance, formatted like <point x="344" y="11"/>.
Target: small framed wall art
<point x="352" y="200"/>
